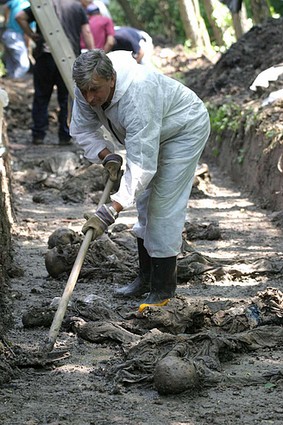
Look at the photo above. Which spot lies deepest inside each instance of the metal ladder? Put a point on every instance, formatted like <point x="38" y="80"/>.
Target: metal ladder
<point x="56" y="39"/>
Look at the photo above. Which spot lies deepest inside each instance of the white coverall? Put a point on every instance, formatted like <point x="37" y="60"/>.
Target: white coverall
<point x="164" y="127"/>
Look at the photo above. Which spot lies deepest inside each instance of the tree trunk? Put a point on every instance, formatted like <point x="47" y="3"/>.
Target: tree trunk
<point x="240" y="22"/>
<point x="260" y="11"/>
<point x="217" y="31"/>
<point x="194" y="26"/>
<point x="237" y="24"/>
<point x="130" y="15"/>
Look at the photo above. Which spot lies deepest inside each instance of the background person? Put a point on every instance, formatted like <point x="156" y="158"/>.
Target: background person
<point x="101" y="27"/>
<point x="46" y="75"/>
<point x="102" y="5"/>
<point x="127" y="38"/>
<point x="136" y="41"/>
<point x="164" y="127"/>
<point x="16" y="55"/>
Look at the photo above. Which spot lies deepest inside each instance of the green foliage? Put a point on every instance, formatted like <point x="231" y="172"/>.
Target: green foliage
<point x="159" y="18"/>
<point x="179" y="76"/>
<point x="223" y="19"/>
<point x="224" y="117"/>
<point x="215" y="151"/>
<point x="2" y="67"/>
<point x="241" y="156"/>
<point x="117" y="13"/>
<point x="276" y="7"/>
<point x="229" y="117"/>
<point x="270" y="134"/>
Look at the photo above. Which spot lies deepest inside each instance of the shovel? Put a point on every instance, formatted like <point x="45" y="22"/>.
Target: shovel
<point x="63" y="304"/>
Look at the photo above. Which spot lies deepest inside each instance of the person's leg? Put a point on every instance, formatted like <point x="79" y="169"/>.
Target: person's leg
<point x="141" y="284"/>
<point x="8" y="62"/>
<point x="15" y="54"/>
<point x="20" y="57"/>
<point x="167" y="206"/>
<point x="43" y="78"/>
<point x="62" y="97"/>
<point x="163" y="281"/>
<point x="170" y="190"/>
<point x="7" y="56"/>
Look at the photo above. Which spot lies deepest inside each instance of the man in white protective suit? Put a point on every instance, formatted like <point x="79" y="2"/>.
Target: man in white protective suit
<point x="163" y="126"/>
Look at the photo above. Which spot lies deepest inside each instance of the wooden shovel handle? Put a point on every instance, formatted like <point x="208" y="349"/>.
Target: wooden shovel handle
<point x="63" y="304"/>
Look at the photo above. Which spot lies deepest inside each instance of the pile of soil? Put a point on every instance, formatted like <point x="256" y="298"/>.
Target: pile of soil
<point x="213" y="355"/>
<point x="235" y="71"/>
<point x="248" y="144"/>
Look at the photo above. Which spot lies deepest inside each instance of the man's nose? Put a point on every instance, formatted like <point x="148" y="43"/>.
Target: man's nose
<point x="89" y="96"/>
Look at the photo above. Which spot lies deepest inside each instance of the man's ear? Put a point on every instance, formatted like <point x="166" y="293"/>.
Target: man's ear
<point x="113" y="80"/>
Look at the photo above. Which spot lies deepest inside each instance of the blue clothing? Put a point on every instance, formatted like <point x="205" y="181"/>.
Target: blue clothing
<point x="127" y="38"/>
<point x="15" y="7"/>
<point x="16" y="57"/>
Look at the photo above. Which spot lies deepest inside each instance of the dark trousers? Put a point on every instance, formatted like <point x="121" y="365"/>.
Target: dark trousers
<point x="45" y="76"/>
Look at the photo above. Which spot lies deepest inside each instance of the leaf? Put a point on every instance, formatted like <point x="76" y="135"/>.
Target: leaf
<point x="269" y="385"/>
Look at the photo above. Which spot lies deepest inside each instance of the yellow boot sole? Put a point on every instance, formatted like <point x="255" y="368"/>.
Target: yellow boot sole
<point x="161" y="304"/>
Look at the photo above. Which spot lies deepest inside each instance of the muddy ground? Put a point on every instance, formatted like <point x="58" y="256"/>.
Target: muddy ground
<point x="226" y="321"/>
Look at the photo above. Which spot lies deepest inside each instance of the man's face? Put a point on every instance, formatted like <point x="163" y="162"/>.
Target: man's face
<point x="100" y="91"/>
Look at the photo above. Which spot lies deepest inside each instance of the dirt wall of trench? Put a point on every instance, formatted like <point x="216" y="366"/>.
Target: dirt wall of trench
<point x="248" y="140"/>
<point x="253" y="161"/>
<point x="5" y="234"/>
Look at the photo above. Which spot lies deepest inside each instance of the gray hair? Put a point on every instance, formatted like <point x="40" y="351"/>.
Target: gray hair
<point x="88" y="63"/>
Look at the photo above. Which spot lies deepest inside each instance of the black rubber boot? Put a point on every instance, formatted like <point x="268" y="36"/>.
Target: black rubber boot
<point x="141" y="284"/>
<point x="163" y="282"/>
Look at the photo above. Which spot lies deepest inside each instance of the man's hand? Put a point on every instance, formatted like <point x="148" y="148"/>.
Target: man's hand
<point x="112" y="163"/>
<point x="103" y="217"/>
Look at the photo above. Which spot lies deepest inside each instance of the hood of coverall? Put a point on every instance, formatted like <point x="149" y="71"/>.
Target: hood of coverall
<point x="124" y="74"/>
